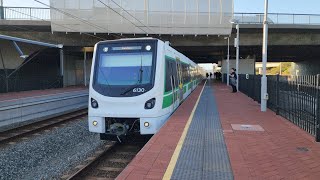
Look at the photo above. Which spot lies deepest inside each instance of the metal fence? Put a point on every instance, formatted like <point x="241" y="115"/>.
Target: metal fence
<point x="296" y="98"/>
<point x="16" y="84"/>
<point x="34" y="13"/>
<point x="278" y="18"/>
<point x="25" y="13"/>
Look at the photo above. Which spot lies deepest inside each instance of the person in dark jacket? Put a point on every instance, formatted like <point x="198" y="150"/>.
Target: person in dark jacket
<point x="233" y="80"/>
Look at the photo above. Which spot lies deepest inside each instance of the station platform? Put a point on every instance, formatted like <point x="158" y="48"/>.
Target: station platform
<point x="22" y="108"/>
<point x="34" y="93"/>
<point x="216" y="134"/>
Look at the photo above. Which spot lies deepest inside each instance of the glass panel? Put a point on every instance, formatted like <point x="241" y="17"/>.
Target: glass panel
<point x="168" y="76"/>
<point x="163" y="5"/>
<point x="191" y="6"/>
<point x="178" y="5"/>
<point x="203" y="6"/>
<point x="85" y="4"/>
<point x="125" y="69"/>
<point x="159" y="18"/>
<point x="71" y="4"/>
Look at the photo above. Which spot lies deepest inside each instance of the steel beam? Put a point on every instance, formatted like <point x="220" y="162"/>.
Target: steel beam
<point x="16" y="39"/>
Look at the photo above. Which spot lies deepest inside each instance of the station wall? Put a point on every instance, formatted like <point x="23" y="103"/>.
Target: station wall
<point x="310" y="67"/>
<point x="246" y="66"/>
<point x="73" y="61"/>
<point x="74" y="69"/>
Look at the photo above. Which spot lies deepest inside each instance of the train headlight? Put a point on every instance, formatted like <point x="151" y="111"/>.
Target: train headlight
<point x="95" y="123"/>
<point x="150" y="103"/>
<point x="94" y="103"/>
<point x="146" y="124"/>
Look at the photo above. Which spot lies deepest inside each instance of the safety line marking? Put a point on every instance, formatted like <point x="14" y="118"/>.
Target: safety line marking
<point x="177" y="151"/>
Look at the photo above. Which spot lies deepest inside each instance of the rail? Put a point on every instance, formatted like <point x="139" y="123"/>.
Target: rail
<point x="278" y="18"/>
<point x="35" y="13"/>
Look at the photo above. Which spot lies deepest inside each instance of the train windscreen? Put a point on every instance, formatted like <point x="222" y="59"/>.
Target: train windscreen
<point x="124" y="69"/>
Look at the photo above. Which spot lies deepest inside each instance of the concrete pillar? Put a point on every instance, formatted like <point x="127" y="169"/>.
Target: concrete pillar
<point x="62" y="66"/>
<point x="85" y="67"/>
<point x="1" y="10"/>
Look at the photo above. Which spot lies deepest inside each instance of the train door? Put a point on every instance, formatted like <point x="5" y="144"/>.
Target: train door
<point x="171" y="83"/>
<point x="176" y="101"/>
<point x="179" y="70"/>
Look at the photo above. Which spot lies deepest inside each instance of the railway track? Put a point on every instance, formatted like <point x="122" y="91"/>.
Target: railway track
<point x="12" y="135"/>
<point x="106" y="163"/>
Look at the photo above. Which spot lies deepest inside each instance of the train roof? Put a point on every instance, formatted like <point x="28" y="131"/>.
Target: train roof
<point x="132" y="39"/>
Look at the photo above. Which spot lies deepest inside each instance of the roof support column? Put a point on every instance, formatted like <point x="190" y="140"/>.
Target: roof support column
<point x="61" y="65"/>
<point x="85" y="67"/>
<point x="19" y="50"/>
<point x="1" y="10"/>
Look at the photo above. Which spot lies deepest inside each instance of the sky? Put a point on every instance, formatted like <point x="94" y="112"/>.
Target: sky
<point x="253" y="6"/>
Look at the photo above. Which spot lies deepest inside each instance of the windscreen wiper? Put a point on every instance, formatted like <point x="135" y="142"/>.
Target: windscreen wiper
<point x="130" y="88"/>
<point x="139" y="81"/>
<point x="135" y="85"/>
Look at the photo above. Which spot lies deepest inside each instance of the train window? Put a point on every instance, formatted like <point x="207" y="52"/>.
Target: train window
<point x="175" y="73"/>
<point x="185" y="73"/>
<point x="168" y="73"/>
<point x="124" y="68"/>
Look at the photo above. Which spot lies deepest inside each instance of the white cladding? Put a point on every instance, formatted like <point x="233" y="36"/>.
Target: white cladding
<point x="195" y="17"/>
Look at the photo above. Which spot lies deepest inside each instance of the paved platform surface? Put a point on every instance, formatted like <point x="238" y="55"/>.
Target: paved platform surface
<point x="33" y="93"/>
<point x="281" y="151"/>
<point x="259" y="145"/>
<point x="203" y="154"/>
<point x="152" y="161"/>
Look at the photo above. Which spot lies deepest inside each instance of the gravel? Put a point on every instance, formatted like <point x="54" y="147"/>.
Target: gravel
<point x="50" y="154"/>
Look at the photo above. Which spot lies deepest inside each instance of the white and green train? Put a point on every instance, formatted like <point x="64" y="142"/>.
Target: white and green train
<point x="136" y="84"/>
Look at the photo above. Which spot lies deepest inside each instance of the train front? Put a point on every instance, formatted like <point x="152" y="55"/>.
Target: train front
<point x="123" y="93"/>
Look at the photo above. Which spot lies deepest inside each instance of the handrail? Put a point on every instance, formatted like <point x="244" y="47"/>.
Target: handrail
<point x="29" y="13"/>
<point x="278" y="14"/>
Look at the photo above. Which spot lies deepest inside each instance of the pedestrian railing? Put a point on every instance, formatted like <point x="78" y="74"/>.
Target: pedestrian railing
<point x="278" y="18"/>
<point x="296" y="98"/>
<point x="24" y="13"/>
<point x="35" y="13"/>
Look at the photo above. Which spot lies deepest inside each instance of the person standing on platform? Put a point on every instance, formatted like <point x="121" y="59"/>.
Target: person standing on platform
<point x="210" y="75"/>
<point x="207" y="75"/>
<point x="233" y="80"/>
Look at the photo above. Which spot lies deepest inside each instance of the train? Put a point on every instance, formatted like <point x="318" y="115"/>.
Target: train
<point x="136" y="84"/>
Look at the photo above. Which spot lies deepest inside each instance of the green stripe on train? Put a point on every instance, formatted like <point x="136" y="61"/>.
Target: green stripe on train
<point x="167" y="101"/>
<point x="189" y="86"/>
<point x="184" y="89"/>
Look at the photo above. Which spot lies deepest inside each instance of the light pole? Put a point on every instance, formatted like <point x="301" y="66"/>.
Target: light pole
<point x="237" y="58"/>
<point x="1" y="10"/>
<point x="237" y="40"/>
<point x="264" y="93"/>
<point x="228" y="62"/>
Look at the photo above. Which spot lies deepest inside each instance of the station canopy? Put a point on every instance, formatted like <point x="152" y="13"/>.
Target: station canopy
<point x="183" y="17"/>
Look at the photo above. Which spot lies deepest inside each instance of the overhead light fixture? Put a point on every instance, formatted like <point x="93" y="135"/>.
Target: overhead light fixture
<point x="24" y="56"/>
